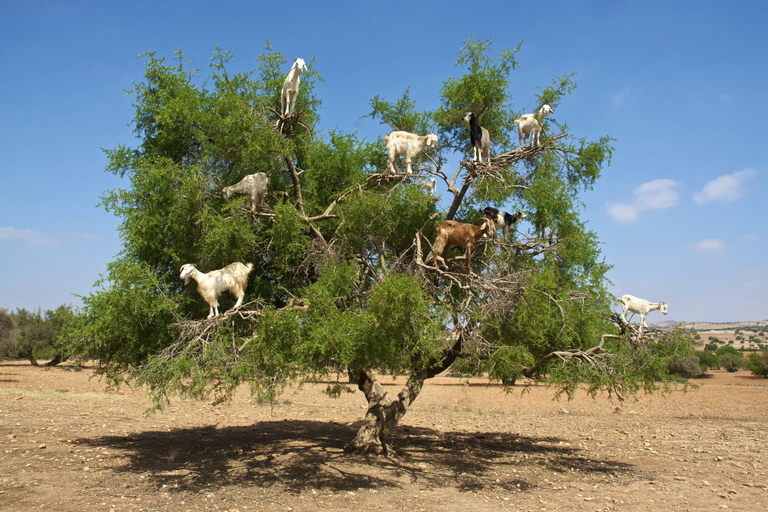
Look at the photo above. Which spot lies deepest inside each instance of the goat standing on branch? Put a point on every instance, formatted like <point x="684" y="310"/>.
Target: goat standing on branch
<point x="451" y="233"/>
<point x="291" y="87"/>
<point x="640" y="306"/>
<point x="479" y="138"/>
<point x="527" y="125"/>
<point x="503" y="220"/>
<point x="232" y="278"/>
<point x="253" y="185"/>
<point x="407" y="145"/>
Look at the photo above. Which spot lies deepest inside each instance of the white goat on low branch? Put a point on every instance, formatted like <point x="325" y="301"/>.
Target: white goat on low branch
<point x="527" y="125"/>
<point x="291" y="87"/>
<point x="408" y="145"/>
<point x="640" y="306"/>
<point x="232" y="278"/>
<point x="253" y="185"/>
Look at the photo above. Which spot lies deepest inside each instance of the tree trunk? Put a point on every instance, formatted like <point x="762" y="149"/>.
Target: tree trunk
<point x="28" y="355"/>
<point x="384" y="411"/>
<point x="56" y="360"/>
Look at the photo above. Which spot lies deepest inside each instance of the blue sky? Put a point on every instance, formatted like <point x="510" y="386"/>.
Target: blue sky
<point x="680" y="85"/>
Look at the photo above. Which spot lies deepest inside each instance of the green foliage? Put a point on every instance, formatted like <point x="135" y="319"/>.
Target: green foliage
<point x="687" y="367"/>
<point x="757" y="363"/>
<point x="336" y="286"/>
<point x="711" y="347"/>
<point x="727" y="349"/>
<point x="732" y="362"/>
<point x="35" y="334"/>
<point x="9" y="334"/>
<point x="709" y="360"/>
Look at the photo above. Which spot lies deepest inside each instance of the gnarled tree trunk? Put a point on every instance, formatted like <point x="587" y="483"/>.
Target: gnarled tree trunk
<point x="384" y="411"/>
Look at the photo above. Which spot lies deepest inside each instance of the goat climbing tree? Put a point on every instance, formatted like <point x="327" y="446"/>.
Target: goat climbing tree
<point x="341" y="286"/>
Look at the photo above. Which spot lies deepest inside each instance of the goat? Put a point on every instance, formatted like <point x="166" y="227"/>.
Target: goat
<point x="253" y="185"/>
<point x="429" y="186"/>
<point x="407" y="145"/>
<point x="479" y="138"/>
<point x="291" y="87"/>
<point x="232" y="278"/>
<point x="527" y="125"/>
<point x="451" y="233"/>
<point x="643" y="307"/>
<point x="503" y="220"/>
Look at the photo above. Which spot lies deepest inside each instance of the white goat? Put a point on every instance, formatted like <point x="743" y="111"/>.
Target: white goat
<point x="291" y="87"/>
<point x="408" y="145"/>
<point x="527" y="125"/>
<point x="232" y="278"/>
<point x="479" y="138"/>
<point x="253" y="185"/>
<point x="429" y="186"/>
<point x="451" y="233"/>
<point x="640" y="306"/>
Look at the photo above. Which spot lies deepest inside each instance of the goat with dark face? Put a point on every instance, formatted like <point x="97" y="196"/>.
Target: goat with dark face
<point x="503" y="220"/>
<point x="479" y="138"/>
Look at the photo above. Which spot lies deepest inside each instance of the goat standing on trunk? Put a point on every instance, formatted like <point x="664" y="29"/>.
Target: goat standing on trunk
<point x="451" y="233"/>
<point x="479" y="138"/>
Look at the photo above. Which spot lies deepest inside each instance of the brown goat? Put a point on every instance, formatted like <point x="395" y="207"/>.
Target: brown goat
<point x="451" y="233"/>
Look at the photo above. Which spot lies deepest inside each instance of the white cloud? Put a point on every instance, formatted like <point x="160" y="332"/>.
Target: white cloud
<point x="724" y="188"/>
<point x="652" y="195"/>
<point x="710" y="245"/>
<point x="618" y="99"/>
<point x="37" y="239"/>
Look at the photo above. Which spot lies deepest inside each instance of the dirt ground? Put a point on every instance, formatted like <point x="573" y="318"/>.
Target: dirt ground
<point x="67" y="444"/>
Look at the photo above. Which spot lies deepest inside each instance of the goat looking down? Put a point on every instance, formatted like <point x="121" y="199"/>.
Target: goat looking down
<point x="640" y="306"/>
<point x="451" y="233"/>
<point x="479" y="138"/>
<point x="232" y="278"/>
<point x="503" y="220"/>
<point x="291" y="87"/>
<point x="527" y="125"/>
<point x="253" y="185"/>
<point x="408" y="145"/>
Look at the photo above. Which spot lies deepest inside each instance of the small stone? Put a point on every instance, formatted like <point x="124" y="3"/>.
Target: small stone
<point x="42" y="446"/>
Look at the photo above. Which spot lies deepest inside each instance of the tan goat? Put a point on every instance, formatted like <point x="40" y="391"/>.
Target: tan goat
<point x="451" y="233"/>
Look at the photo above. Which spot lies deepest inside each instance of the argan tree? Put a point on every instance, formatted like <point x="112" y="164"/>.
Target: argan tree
<point x="342" y="287"/>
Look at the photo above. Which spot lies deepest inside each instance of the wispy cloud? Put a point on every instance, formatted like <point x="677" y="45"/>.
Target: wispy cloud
<point x="38" y="239"/>
<point x="724" y="188"/>
<point x="652" y="195"/>
<point x="710" y="245"/>
<point x="620" y="98"/>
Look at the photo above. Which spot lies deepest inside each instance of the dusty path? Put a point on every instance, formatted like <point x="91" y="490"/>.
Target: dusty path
<point x="67" y="444"/>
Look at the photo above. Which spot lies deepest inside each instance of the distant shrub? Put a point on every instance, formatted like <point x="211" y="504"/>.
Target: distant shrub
<point x="732" y="362"/>
<point x="757" y="363"/>
<point x="686" y="367"/>
<point x="708" y="360"/>
<point x="711" y="347"/>
<point x="727" y="349"/>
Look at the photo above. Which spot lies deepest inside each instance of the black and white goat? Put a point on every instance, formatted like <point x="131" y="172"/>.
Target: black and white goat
<point x="479" y="138"/>
<point x="503" y="220"/>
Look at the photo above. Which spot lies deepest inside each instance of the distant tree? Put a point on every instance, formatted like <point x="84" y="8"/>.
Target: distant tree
<point x="727" y="349"/>
<point x="709" y="360"/>
<point x="40" y="335"/>
<point x="732" y="362"/>
<point x="9" y="334"/>
<point x="687" y="367"/>
<point x="341" y="286"/>
<point x="757" y="363"/>
<point x="711" y="347"/>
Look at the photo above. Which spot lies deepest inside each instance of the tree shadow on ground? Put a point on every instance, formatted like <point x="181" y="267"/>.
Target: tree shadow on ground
<point x="306" y="455"/>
